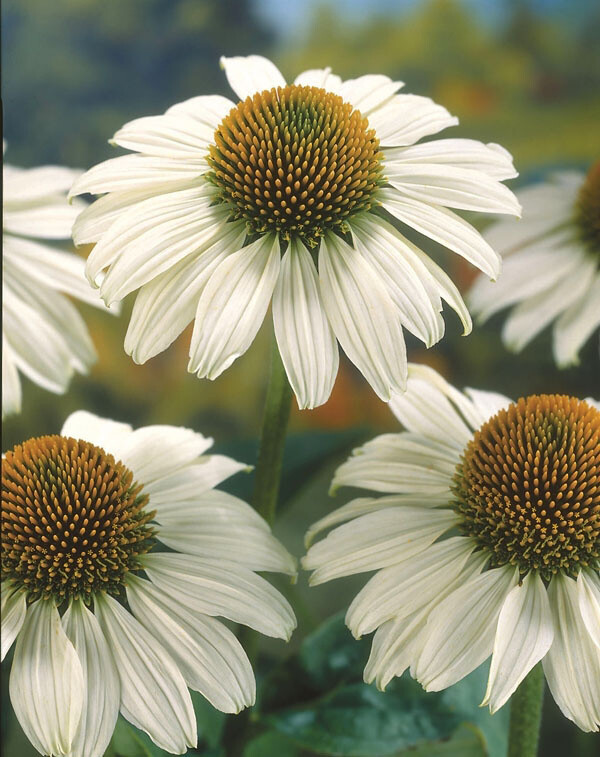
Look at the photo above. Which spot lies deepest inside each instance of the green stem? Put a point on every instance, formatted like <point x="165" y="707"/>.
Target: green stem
<point x="264" y="500"/>
<point x="526" y="715"/>
<point x="272" y="439"/>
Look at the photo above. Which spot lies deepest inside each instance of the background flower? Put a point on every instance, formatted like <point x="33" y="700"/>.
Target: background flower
<point x="105" y="496"/>
<point x="43" y="335"/>
<point x="486" y="541"/>
<point x="551" y="272"/>
<point x="224" y="207"/>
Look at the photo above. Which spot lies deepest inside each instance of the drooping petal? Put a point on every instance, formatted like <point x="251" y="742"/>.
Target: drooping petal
<point x="100" y="680"/>
<point x="588" y="586"/>
<point x="250" y="74"/>
<point x="374" y="541"/>
<point x="11" y="383"/>
<point x="576" y="324"/>
<point x="46" y="681"/>
<point x="216" y="587"/>
<point x="524" y="635"/>
<point x="232" y="306"/>
<point x="363" y="316"/>
<point x="208" y="654"/>
<point x="154" y="696"/>
<point x="572" y="666"/>
<point x="305" y="339"/>
<point x="460" y="630"/>
<point x="12" y="615"/>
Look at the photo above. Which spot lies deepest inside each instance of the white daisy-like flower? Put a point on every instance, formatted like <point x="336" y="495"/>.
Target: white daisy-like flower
<point x="43" y="335"/>
<point x="551" y="270"/>
<point x="288" y="196"/>
<point x="486" y="542"/>
<point x="103" y="621"/>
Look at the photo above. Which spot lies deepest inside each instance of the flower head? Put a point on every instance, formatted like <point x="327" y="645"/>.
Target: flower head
<point x="103" y="619"/>
<point x="551" y="272"/>
<point x="289" y="195"/>
<point x="486" y="542"/>
<point x="43" y="335"/>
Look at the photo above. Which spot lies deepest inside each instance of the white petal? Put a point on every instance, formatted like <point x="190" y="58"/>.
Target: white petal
<point x="53" y="268"/>
<point x="392" y="257"/>
<point x="152" y="452"/>
<point x="576" y="325"/>
<point x="99" y="431"/>
<point x="374" y="541"/>
<point x="250" y="74"/>
<point x="138" y="173"/>
<point x="208" y="109"/>
<point x="444" y="227"/>
<point x="100" y="680"/>
<point x="11" y="384"/>
<point x="460" y="630"/>
<point x="363" y="316"/>
<point x="572" y="666"/>
<point x="154" y="696"/>
<point x="369" y="92"/>
<point x="364" y="505"/>
<point x="492" y="159"/>
<point x="14" y="607"/>
<point x="28" y="184"/>
<point x="524" y="635"/>
<point x="534" y="314"/>
<point x="588" y="586"/>
<point x="168" y="302"/>
<point x="463" y="188"/>
<point x="487" y="403"/>
<point x="232" y="306"/>
<point x="319" y="77"/>
<point x="46" y="681"/>
<point x="188" y="484"/>
<point x="222" y="588"/>
<point x="51" y="218"/>
<point x="414" y="582"/>
<point x="151" y="237"/>
<point x="168" y="136"/>
<point x="404" y="119"/>
<point x="305" y="339"/>
<point x="208" y="654"/>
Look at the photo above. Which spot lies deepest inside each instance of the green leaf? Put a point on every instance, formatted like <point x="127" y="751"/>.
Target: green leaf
<point x="318" y="699"/>
<point x="210" y="720"/>
<point x="128" y="741"/>
<point x="271" y="744"/>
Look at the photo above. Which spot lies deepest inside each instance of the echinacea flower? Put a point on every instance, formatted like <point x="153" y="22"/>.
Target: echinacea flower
<point x="288" y="196"/>
<point x="486" y="542"/>
<point x="104" y="621"/>
<point x="551" y="270"/>
<point x="43" y="335"/>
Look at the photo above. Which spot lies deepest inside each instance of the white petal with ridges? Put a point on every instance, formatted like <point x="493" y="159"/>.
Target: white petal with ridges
<point x="208" y="654"/>
<point x="208" y="109"/>
<point x="30" y="184"/>
<point x="233" y="305"/>
<point x="367" y="93"/>
<point x="250" y="74"/>
<point x="206" y="472"/>
<point x="11" y="383"/>
<point x="168" y="136"/>
<point x="460" y="631"/>
<point x="572" y="666"/>
<point x="364" y="318"/>
<point x="100" y="679"/>
<point x="154" y="696"/>
<point x="46" y="681"/>
<point x="524" y="635"/>
<point x="51" y="218"/>
<point x="305" y="339"/>
<point x="12" y="615"/>
<point x="319" y="77"/>
<point x="404" y="119"/>
<point x="588" y="587"/>
<point x="91" y="428"/>
<point x="576" y="325"/>
<point x="219" y="587"/>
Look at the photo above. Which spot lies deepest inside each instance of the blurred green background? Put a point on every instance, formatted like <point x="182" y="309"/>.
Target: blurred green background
<point x="522" y="73"/>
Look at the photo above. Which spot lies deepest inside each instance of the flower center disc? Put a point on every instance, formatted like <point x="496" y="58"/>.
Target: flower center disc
<point x="588" y="210"/>
<point x="73" y="520"/>
<point x="295" y="160"/>
<point x="528" y="485"/>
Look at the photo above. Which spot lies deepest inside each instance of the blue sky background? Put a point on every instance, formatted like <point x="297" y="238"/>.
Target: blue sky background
<point x="291" y="17"/>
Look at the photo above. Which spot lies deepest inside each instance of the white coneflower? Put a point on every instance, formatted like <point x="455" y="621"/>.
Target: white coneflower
<point x="102" y="621"/>
<point x="43" y="335"/>
<point x="486" y="542"/>
<point x="288" y="196"/>
<point x="551" y="270"/>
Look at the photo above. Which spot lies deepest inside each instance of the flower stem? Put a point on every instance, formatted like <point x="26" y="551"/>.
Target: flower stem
<point x="526" y="715"/>
<point x="272" y="439"/>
